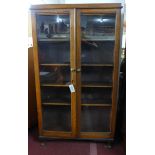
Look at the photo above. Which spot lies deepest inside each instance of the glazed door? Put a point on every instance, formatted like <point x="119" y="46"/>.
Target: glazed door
<point x="54" y="58"/>
<point x="97" y="71"/>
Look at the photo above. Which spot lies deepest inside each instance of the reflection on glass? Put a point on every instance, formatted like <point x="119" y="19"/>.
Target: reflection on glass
<point x="53" y="35"/>
<point x="98" y="39"/>
<point x="57" y="118"/>
<point x="97" y="48"/>
<point x="98" y="26"/>
<point x="54" y="52"/>
<point x="55" y="74"/>
<point x="96" y="96"/>
<point x="53" y="38"/>
<point x="53" y="26"/>
<point x="97" y="52"/>
<point x="55" y="95"/>
<point x="97" y="75"/>
<point x="95" y="119"/>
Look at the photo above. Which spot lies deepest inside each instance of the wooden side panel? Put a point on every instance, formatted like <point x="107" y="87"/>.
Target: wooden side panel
<point x="116" y="72"/>
<point x="32" y="107"/>
<point x="36" y="71"/>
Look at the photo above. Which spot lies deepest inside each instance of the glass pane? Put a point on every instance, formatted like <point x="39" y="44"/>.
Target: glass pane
<point x="54" y="52"/>
<point x="96" y="95"/>
<point x="97" y="52"/>
<point x="53" y="39"/>
<point x="95" y="119"/>
<point x="53" y="34"/>
<point x="97" y="75"/>
<point x="53" y="26"/>
<point x="97" y="58"/>
<point x="98" y="36"/>
<point x="55" y="74"/>
<point x="98" y="26"/>
<point x="57" y="118"/>
<point x="55" y="95"/>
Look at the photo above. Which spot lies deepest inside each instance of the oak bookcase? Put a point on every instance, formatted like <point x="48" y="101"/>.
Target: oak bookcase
<point x="76" y="61"/>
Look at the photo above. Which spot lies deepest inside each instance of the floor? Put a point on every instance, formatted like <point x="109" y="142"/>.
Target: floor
<point x="57" y="147"/>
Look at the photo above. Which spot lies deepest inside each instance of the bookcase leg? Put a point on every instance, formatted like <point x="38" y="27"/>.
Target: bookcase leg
<point x="108" y="145"/>
<point x="42" y="144"/>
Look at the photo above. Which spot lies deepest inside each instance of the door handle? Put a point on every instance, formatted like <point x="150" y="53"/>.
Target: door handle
<point x="78" y="70"/>
<point x="73" y="69"/>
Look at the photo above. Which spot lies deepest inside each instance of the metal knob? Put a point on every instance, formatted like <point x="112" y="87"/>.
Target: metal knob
<point x="73" y="69"/>
<point x="78" y="70"/>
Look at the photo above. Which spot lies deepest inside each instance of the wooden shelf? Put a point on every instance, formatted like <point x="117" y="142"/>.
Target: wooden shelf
<point x="86" y="38"/>
<point x="97" y="65"/>
<point x="98" y="38"/>
<point x="98" y="86"/>
<point x="54" y="64"/>
<point x="55" y="85"/>
<point x="68" y="104"/>
<point x="91" y="39"/>
<point x="97" y="105"/>
<point x="53" y="39"/>
<point x="83" y="65"/>
<point x="57" y="104"/>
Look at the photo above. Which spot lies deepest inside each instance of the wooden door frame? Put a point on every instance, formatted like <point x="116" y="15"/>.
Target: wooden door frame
<point x="115" y="85"/>
<point x="42" y="132"/>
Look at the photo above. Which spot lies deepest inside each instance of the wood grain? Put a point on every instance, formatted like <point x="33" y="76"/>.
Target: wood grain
<point x="58" y="104"/>
<point x="73" y="74"/>
<point x="77" y="6"/>
<point x="97" y="105"/>
<point x="116" y="73"/>
<point x="78" y="64"/>
<point x="61" y="134"/>
<point x="36" y="71"/>
<point x="55" y="65"/>
<point x="32" y="105"/>
<point x="96" y="135"/>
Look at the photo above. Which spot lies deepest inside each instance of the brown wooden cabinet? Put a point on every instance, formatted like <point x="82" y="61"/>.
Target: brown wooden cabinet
<point x="76" y="59"/>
